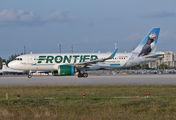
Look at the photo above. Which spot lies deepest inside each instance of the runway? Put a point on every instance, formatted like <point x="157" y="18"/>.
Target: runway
<point x="169" y="79"/>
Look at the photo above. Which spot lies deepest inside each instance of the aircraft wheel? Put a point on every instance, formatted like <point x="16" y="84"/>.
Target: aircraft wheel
<point x="79" y="75"/>
<point x="85" y="75"/>
<point x="29" y="76"/>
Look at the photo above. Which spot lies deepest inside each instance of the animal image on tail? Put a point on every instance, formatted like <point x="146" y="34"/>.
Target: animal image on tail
<point x="149" y="45"/>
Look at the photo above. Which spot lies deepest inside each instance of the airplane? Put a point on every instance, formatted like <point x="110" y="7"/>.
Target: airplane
<point x="63" y="64"/>
<point x="6" y="70"/>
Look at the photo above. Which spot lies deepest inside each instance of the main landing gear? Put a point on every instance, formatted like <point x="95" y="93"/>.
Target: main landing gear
<point x="85" y="75"/>
<point x="30" y="74"/>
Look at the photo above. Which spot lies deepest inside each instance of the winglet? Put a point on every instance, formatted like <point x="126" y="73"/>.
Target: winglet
<point x="113" y="54"/>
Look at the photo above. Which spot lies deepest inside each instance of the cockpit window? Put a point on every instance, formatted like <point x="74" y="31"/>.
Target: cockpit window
<point x="18" y="59"/>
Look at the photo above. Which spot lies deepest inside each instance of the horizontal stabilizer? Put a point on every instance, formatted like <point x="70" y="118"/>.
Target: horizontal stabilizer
<point x="155" y="56"/>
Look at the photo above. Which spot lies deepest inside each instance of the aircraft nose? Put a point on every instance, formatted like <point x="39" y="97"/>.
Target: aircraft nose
<point x="12" y="64"/>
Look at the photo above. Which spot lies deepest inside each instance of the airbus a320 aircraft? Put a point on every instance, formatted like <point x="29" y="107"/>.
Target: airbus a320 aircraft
<point x="68" y="64"/>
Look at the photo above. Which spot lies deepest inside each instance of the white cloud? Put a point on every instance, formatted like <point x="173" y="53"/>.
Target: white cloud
<point x="20" y="17"/>
<point x="159" y="14"/>
<point x="60" y="16"/>
<point x="11" y="17"/>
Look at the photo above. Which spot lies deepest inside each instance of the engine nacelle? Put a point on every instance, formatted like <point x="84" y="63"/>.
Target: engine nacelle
<point x="64" y="70"/>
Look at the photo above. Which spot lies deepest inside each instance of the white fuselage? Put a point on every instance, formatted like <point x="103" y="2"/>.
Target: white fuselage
<point x="52" y="61"/>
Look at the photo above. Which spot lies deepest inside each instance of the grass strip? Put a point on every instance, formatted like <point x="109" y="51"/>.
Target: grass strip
<point x="101" y="102"/>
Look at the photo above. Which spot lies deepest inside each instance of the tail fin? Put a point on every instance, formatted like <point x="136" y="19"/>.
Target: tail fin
<point x="149" y="43"/>
<point x="4" y="67"/>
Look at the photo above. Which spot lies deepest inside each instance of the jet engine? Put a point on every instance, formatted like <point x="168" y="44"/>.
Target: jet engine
<point x="64" y="70"/>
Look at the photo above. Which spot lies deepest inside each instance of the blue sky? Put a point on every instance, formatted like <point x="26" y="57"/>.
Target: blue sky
<point x="90" y="25"/>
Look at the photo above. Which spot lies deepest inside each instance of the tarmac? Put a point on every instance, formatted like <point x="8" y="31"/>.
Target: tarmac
<point x="163" y="79"/>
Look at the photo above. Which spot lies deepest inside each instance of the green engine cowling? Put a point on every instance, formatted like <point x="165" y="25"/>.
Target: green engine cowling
<point x="64" y="70"/>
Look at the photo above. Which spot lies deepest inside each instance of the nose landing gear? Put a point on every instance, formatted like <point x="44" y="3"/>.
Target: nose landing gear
<point x="30" y="74"/>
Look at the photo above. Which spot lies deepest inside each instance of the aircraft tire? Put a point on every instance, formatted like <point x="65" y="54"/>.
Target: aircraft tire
<point x="85" y="75"/>
<point x="29" y="76"/>
<point x="79" y="75"/>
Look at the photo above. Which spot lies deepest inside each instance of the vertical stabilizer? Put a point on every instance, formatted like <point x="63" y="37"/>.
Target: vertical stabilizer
<point x="4" y="67"/>
<point x="149" y="43"/>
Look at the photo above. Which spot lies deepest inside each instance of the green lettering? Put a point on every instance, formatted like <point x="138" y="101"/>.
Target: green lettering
<point x="75" y="56"/>
<point x="86" y="57"/>
<point x="93" y="57"/>
<point x="41" y="58"/>
<point x="49" y="59"/>
<point x="81" y="58"/>
<point x="58" y="59"/>
<point x="67" y="59"/>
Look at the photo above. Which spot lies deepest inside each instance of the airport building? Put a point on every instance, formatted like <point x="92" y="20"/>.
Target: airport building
<point x="169" y="59"/>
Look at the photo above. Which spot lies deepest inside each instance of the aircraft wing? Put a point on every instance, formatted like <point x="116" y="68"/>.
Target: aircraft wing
<point x="89" y="63"/>
<point x="94" y="62"/>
